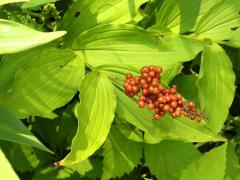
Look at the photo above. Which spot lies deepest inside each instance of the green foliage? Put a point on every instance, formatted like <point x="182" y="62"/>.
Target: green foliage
<point x="94" y="121"/>
<point x="16" y="37"/>
<point x="216" y="85"/>
<point x="120" y="155"/>
<point x="6" y="169"/>
<point x="84" y="15"/>
<point x="13" y="130"/>
<point x="62" y="100"/>
<point x="168" y="159"/>
<point x="131" y="45"/>
<point x="55" y="77"/>
<point x="205" y="168"/>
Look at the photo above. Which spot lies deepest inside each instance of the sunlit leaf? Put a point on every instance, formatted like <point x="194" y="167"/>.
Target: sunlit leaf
<point x="13" y="130"/>
<point x="204" y="168"/>
<point x="167" y="160"/>
<point x="95" y="115"/>
<point x="181" y="18"/>
<point x="15" y="37"/>
<point x="46" y="83"/>
<point x="216" y="86"/>
<point x="34" y="3"/>
<point x="233" y="166"/>
<point x="131" y="45"/>
<point x="121" y="155"/>
<point x="6" y="168"/>
<point x="83" y="15"/>
<point x="220" y="21"/>
<point x="11" y="1"/>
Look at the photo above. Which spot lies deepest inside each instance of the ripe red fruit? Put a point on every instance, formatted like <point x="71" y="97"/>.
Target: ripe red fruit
<point x="135" y="89"/>
<point x="178" y="113"/>
<point x="144" y="75"/>
<point x="179" y="96"/>
<point x="168" y="99"/>
<point x="141" y="104"/>
<point x="151" y="74"/>
<point x="143" y="81"/>
<point x="166" y="108"/>
<point x="144" y="92"/>
<point x="157" y="116"/>
<point x="142" y="98"/>
<point x="174" y="115"/>
<point x="174" y="104"/>
<point x="128" y="76"/>
<point x="129" y="88"/>
<point x="144" y="69"/>
<point x="151" y="106"/>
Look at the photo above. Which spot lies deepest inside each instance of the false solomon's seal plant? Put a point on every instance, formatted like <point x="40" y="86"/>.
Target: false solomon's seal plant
<point x="77" y="71"/>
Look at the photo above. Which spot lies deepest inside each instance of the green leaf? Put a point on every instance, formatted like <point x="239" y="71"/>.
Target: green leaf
<point x="6" y="168"/>
<point x="95" y="115"/>
<point x="167" y="128"/>
<point x="13" y="130"/>
<point x="84" y="15"/>
<point x="129" y="131"/>
<point x="11" y="1"/>
<point x="233" y="166"/>
<point x="121" y="155"/>
<point x="219" y="22"/>
<point x="35" y="3"/>
<point x="46" y="83"/>
<point x="216" y="86"/>
<point x="234" y="40"/>
<point x="11" y="63"/>
<point x="25" y="158"/>
<point x="167" y="160"/>
<point x="204" y="168"/>
<point x="15" y="37"/>
<point x="175" y="15"/>
<point x="187" y="87"/>
<point x="131" y="45"/>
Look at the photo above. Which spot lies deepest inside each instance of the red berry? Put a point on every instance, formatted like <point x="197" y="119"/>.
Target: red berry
<point x="129" y="88"/>
<point x="137" y="79"/>
<point x="141" y="104"/>
<point x="142" y="98"/>
<point x="151" y="74"/>
<point x="150" y="106"/>
<point x="174" y="104"/>
<point x="144" y="69"/>
<point x="174" y="115"/>
<point x="156" y="90"/>
<point x="166" y="108"/>
<point x="128" y="76"/>
<point x="144" y="75"/>
<point x="157" y="116"/>
<point x="178" y="113"/>
<point x="168" y="99"/>
<point x="180" y="102"/>
<point x="143" y="81"/>
<point x="149" y="79"/>
<point x="145" y="92"/>
<point x="179" y="96"/>
<point x="135" y="89"/>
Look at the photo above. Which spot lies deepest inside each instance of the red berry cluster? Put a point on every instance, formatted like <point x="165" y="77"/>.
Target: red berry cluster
<point x="156" y="97"/>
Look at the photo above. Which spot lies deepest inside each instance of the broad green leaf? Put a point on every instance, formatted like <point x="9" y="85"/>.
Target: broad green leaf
<point x="233" y="166"/>
<point x="167" y="160"/>
<point x="84" y="15"/>
<point x="72" y="172"/>
<point x="167" y="128"/>
<point x="35" y="3"/>
<point x="234" y="40"/>
<point x="181" y="18"/>
<point x="6" y="169"/>
<point x="131" y="45"/>
<point x="11" y="129"/>
<point x="219" y="22"/>
<point x="129" y="131"/>
<point x="205" y="168"/>
<point x="186" y="85"/>
<point x="11" y="63"/>
<point x="15" y="37"/>
<point x="121" y="155"/>
<point x="46" y="83"/>
<point x="216" y="86"/>
<point x="2" y="2"/>
<point x="95" y="115"/>
<point x="25" y="158"/>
